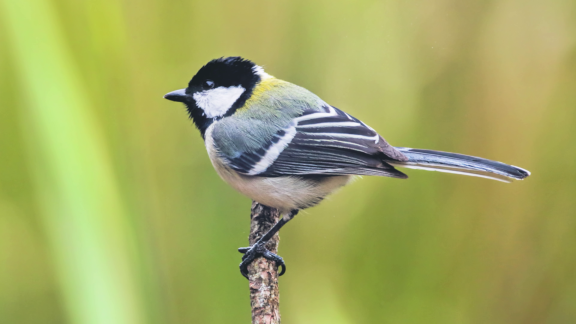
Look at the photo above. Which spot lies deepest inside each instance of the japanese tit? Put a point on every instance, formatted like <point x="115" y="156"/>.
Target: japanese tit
<point x="284" y="147"/>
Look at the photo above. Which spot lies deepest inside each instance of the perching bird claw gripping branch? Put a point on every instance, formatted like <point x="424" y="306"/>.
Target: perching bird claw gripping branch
<point x="263" y="273"/>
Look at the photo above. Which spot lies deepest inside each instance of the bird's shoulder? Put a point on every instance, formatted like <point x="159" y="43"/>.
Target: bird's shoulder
<point x="278" y="101"/>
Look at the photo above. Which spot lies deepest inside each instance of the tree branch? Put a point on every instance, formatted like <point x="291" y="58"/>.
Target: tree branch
<point x="263" y="274"/>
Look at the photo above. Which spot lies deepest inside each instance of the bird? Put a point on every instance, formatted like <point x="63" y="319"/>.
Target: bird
<point x="284" y="147"/>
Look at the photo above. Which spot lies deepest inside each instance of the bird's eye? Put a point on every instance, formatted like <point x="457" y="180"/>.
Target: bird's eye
<point x="208" y="84"/>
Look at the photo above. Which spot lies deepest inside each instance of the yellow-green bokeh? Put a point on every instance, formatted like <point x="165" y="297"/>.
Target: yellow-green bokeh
<point x="110" y="211"/>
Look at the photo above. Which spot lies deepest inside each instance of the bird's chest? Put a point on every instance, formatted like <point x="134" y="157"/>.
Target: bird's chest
<point x="225" y="172"/>
<point x="247" y="185"/>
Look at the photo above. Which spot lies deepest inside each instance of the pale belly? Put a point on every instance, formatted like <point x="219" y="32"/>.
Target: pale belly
<point x="285" y="193"/>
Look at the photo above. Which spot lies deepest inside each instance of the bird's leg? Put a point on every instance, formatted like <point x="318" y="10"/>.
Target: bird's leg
<point x="259" y="248"/>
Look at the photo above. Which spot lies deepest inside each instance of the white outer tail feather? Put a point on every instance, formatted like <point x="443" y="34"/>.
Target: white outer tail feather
<point x="431" y="167"/>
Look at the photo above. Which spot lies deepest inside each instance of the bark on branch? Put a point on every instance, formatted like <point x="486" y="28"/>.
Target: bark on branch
<point x="263" y="274"/>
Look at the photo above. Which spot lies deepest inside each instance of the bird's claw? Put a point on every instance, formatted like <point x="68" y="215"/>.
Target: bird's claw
<point x="255" y="251"/>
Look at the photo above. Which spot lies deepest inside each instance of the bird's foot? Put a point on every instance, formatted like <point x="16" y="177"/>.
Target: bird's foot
<point x="255" y="251"/>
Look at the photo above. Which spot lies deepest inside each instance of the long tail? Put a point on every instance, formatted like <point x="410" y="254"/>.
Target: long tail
<point x="460" y="164"/>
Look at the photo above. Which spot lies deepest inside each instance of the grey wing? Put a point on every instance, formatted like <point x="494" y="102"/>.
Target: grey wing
<point x="321" y="142"/>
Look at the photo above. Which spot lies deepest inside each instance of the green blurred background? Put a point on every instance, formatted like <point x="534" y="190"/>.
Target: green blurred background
<point x="110" y="211"/>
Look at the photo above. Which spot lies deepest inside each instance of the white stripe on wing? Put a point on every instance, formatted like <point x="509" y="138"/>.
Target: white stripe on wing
<point x="332" y="124"/>
<point x="273" y="152"/>
<point x="317" y="115"/>
<point x="375" y="137"/>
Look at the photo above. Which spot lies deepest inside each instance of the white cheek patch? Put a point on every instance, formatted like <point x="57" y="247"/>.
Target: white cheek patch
<point x="216" y="102"/>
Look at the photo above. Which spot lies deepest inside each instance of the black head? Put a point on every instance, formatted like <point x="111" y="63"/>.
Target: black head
<point x="218" y="89"/>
